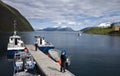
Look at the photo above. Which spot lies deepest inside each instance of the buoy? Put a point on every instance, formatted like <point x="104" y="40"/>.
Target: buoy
<point x="25" y="50"/>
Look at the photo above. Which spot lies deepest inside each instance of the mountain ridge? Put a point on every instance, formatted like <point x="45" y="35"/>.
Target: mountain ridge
<point x="8" y="15"/>
<point x="57" y="29"/>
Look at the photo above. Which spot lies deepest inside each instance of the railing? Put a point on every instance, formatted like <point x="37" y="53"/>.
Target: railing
<point x="12" y="45"/>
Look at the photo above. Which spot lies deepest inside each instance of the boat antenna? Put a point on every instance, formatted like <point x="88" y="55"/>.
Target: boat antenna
<point x="15" y="27"/>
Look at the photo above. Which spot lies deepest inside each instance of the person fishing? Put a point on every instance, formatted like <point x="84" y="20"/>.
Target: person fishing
<point x="63" y="62"/>
<point x="36" y="46"/>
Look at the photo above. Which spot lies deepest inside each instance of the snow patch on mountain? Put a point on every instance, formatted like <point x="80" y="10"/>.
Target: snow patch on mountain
<point x="58" y="28"/>
<point x="104" y="25"/>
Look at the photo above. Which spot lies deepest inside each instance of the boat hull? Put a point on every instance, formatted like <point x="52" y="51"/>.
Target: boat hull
<point x="24" y="73"/>
<point x="10" y="53"/>
<point x="45" y="49"/>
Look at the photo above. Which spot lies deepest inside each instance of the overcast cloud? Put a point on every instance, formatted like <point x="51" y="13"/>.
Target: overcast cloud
<point x="75" y="13"/>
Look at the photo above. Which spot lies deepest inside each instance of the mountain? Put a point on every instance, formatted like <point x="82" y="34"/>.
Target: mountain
<point x="59" y="28"/>
<point x="7" y="15"/>
<point x="84" y="29"/>
<point x="117" y="23"/>
<point x="104" y="25"/>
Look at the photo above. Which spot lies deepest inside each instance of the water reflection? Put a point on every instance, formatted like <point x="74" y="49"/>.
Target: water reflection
<point x="91" y="55"/>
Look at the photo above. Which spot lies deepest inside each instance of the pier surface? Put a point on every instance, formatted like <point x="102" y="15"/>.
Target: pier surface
<point x="46" y="64"/>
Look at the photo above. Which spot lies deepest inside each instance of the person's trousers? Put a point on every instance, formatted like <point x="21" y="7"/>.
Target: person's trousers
<point x="62" y="69"/>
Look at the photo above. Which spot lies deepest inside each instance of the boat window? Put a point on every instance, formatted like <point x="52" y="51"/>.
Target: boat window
<point x="15" y="41"/>
<point x="18" y="38"/>
<point x="11" y="38"/>
<point x="17" y="55"/>
<point x="22" y="44"/>
<point x="40" y="40"/>
<point x="28" y="58"/>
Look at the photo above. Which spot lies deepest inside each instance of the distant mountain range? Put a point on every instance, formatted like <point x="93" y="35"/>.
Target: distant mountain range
<point x="59" y="28"/>
<point x="117" y="23"/>
<point x="65" y="28"/>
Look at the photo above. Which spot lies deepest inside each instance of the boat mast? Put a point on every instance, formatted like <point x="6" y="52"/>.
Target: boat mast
<point x="15" y="27"/>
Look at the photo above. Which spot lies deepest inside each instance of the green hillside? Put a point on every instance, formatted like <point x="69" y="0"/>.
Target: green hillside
<point x="99" y="31"/>
<point x="7" y="15"/>
<point x="114" y="29"/>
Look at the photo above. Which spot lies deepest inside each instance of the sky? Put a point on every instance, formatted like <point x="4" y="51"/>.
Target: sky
<point x="76" y="14"/>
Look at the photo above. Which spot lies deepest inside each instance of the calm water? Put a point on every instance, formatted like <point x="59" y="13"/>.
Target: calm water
<point x="91" y="55"/>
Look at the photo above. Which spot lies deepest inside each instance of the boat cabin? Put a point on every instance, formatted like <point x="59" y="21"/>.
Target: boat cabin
<point x="40" y="40"/>
<point x="16" y="40"/>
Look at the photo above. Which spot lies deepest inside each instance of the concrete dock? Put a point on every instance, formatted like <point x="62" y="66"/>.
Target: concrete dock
<point x="46" y="64"/>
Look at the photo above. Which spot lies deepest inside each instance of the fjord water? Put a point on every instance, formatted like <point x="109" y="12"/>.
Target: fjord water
<point x="91" y="55"/>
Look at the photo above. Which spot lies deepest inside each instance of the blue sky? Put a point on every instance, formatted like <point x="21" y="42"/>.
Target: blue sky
<point x="76" y="14"/>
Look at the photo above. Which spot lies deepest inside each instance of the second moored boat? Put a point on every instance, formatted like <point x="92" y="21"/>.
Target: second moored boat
<point x="43" y="45"/>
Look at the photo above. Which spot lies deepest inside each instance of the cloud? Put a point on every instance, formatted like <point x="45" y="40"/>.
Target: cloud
<point x="71" y="12"/>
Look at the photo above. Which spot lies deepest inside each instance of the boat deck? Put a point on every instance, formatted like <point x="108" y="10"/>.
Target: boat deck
<point x="46" y="64"/>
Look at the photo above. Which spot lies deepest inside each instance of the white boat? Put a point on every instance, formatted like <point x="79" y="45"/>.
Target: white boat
<point x="23" y="62"/>
<point x="18" y="62"/>
<point x="29" y="62"/>
<point x="79" y="34"/>
<point x="15" y="44"/>
<point x="43" y="45"/>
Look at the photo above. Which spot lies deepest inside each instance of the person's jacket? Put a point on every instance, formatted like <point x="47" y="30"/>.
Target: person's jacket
<point x="63" y="59"/>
